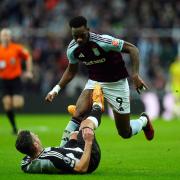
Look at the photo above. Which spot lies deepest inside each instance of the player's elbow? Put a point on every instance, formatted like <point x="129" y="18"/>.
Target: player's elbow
<point x="80" y="169"/>
<point x="133" y="50"/>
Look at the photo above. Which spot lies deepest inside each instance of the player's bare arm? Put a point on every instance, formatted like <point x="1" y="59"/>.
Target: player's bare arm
<point x="133" y="51"/>
<point x="28" y="74"/>
<point x="82" y="165"/>
<point x="68" y="75"/>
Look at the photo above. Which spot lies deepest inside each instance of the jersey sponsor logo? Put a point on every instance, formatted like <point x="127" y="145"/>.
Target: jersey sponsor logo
<point x="81" y="55"/>
<point x="98" y="61"/>
<point x="96" y="51"/>
<point x="115" y="42"/>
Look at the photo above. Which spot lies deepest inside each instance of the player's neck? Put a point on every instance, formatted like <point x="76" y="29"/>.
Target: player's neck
<point x="36" y="155"/>
<point x="5" y="44"/>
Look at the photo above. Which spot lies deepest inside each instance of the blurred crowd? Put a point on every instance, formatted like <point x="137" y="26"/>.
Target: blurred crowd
<point x="42" y="26"/>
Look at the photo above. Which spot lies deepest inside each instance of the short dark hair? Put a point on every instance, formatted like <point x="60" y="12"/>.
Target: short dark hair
<point x="24" y="142"/>
<point x="78" y="22"/>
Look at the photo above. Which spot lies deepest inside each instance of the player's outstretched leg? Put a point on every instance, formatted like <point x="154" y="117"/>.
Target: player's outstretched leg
<point x="148" y="129"/>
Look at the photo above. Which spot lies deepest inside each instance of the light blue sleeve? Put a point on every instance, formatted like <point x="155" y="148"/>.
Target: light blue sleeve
<point x="70" y="55"/>
<point x="111" y="43"/>
<point x="41" y="166"/>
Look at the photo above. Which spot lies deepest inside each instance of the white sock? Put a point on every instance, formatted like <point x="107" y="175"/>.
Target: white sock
<point x="144" y="120"/>
<point x="138" y="124"/>
<point x="71" y="126"/>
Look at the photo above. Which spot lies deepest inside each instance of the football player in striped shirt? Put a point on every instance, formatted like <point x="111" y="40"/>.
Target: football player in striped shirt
<point x="102" y="55"/>
<point x="81" y="154"/>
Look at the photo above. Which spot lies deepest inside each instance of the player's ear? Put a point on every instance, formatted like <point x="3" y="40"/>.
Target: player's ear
<point x="35" y="146"/>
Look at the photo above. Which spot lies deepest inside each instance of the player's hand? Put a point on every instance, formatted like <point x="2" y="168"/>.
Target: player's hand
<point x="88" y="135"/>
<point x="139" y="83"/>
<point x="28" y="75"/>
<point x="50" y="96"/>
<point x="53" y="93"/>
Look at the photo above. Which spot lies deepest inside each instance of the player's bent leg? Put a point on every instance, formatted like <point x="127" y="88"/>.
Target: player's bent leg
<point x="127" y="128"/>
<point x="123" y="125"/>
<point x="18" y="101"/>
<point x="83" y="105"/>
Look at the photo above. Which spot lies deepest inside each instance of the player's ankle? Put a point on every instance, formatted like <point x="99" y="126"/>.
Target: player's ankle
<point x="97" y="104"/>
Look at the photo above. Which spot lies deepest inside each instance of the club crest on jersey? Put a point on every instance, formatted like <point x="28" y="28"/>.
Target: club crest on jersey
<point x="96" y="51"/>
<point x="81" y="55"/>
<point x="115" y="42"/>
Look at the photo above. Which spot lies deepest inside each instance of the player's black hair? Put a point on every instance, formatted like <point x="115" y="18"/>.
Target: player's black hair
<point x="78" y="22"/>
<point x="24" y="143"/>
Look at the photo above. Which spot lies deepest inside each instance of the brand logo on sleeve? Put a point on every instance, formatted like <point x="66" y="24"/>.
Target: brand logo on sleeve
<point x="115" y="42"/>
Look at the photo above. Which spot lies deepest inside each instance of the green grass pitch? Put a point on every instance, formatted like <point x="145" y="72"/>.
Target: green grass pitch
<point x="135" y="158"/>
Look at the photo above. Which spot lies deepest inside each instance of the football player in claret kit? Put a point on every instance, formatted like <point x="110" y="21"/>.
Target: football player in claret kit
<point x="101" y="54"/>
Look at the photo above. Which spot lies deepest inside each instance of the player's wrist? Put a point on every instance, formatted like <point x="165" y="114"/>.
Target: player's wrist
<point x="88" y="143"/>
<point x="55" y="89"/>
<point x="135" y="75"/>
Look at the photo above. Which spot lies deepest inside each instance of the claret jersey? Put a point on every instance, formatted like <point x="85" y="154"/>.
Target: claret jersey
<point x="102" y="57"/>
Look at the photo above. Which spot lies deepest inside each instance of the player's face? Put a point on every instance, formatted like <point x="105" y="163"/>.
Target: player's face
<point x="36" y="139"/>
<point x="80" y="34"/>
<point x="5" y="36"/>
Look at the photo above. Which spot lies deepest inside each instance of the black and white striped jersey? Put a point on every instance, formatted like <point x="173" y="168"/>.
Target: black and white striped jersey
<point x="53" y="160"/>
<point x="102" y="57"/>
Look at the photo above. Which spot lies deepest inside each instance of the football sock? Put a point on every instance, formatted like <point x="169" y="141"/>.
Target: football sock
<point x="73" y="125"/>
<point x="96" y="112"/>
<point x="11" y="116"/>
<point x="138" y="124"/>
<point x="99" y="104"/>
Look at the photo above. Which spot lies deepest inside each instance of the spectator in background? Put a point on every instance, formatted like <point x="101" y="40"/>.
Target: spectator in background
<point x="11" y="55"/>
<point x="172" y="100"/>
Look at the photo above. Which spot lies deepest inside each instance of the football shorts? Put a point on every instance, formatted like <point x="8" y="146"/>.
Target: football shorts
<point x="117" y="94"/>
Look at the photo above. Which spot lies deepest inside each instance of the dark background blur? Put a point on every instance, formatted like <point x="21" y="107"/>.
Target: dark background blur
<point x="42" y="26"/>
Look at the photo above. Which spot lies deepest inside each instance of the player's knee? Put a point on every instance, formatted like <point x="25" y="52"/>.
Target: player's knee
<point x="7" y="103"/>
<point x="79" y="115"/>
<point x="18" y="103"/>
<point x="125" y="134"/>
<point x="18" y="106"/>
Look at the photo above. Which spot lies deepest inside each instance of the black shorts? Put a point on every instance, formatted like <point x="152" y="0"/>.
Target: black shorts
<point x="95" y="154"/>
<point x="11" y="87"/>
